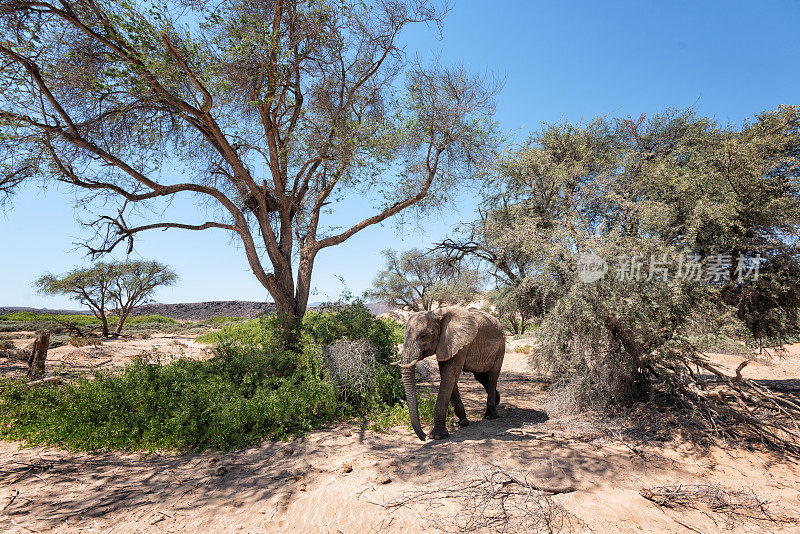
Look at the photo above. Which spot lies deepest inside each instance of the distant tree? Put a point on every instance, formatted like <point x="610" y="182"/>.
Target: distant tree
<point x="421" y="281"/>
<point x="115" y="286"/>
<point x="518" y="298"/>
<point x="276" y="109"/>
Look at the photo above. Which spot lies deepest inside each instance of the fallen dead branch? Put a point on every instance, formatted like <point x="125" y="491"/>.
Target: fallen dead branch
<point x="735" y="505"/>
<point x="493" y="498"/>
<point x="734" y="407"/>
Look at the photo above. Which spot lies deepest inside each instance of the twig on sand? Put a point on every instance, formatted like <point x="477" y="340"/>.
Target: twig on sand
<point x="492" y="498"/>
<point x="690" y="527"/>
<point x="13" y="497"/>
<point x="733" y="504"/>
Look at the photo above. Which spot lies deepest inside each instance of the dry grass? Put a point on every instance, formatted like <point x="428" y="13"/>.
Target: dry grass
<point x="83" y="341"/>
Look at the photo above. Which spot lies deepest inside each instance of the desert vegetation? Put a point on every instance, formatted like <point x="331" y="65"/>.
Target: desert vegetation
<point x="419" y="280"/>
<point x="251" y="389"/>
<point x="624" y="289"/>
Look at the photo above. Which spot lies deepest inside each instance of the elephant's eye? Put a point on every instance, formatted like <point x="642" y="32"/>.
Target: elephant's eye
<point x="425" y="336"/>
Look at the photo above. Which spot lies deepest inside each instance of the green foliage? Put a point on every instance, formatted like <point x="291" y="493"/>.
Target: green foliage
<point x="354" y="321"/>
<point x="251" y="389"/>
<point x="232" y="400"/>
<point x="397" y="414"/>
<point x="675" y="186"/>
<point x="253" y="332"/>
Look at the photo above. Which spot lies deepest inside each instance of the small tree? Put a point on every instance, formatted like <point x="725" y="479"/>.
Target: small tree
<point x="420" y="281"/>
<point x="120" y="286"/>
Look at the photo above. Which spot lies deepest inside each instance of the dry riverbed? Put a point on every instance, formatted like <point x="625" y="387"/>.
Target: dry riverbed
<point x="599" y="475"/>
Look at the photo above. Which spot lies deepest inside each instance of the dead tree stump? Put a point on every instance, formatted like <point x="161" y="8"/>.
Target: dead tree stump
<point x="38" y="355"/>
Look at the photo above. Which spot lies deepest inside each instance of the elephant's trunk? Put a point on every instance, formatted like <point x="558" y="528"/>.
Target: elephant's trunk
<point x="410" y="385"/>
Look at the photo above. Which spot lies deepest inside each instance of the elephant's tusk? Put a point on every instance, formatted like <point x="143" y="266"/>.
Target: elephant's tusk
<point x="405" y="365"/>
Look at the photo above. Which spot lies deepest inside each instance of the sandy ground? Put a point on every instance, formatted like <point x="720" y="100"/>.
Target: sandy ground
<point x="70" y="361"/>
<point x="345" y="479"/>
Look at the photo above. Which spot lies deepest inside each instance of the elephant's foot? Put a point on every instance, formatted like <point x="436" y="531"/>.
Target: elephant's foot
<point x="491" y="413"/>
<point x="437" y="433"/>
<point x="463" y="421"/>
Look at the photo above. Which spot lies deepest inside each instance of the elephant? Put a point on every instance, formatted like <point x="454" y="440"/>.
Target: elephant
<point x="463" y="340"/>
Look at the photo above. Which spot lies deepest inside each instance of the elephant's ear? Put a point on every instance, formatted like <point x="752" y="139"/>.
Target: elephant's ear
<point x="458" y="328"/>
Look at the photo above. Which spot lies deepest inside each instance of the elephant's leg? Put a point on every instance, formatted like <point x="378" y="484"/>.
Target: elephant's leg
<point x="458" y="407"/>
<point x="449" y="376"/>
<point x="492" y="397"/>
<point x="483" y="379"/>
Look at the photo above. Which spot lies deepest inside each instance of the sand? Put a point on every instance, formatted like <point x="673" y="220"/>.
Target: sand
<point x="346" y="479"/>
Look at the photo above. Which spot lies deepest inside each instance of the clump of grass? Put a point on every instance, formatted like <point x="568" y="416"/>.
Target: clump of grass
<point x="82" y="341"/>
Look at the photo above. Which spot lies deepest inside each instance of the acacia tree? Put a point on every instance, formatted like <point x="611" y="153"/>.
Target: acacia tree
<point x="133" y="283"/>
<point x="419" y="281"/>
<point x="667" y="204"/>
<point x="120" y="286"/>
<point x="277" y="108"/>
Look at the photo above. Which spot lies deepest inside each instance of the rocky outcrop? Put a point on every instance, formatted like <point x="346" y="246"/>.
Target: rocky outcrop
<point x="199" y="311"/>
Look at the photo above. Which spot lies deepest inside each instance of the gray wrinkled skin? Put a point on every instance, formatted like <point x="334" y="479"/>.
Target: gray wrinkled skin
<point x="462" y="340"/>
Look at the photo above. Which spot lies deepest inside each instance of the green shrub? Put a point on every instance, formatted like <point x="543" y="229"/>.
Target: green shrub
<point x="353" y="322"/>
<point x="235" y="399"/>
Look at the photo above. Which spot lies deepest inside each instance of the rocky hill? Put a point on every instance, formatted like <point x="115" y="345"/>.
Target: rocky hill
<point x="198" y="311"/>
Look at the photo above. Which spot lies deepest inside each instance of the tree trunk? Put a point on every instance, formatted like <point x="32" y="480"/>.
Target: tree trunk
<point x="104" y="320"/>
<point x="122" y="317"/>
<point x="38" y="355"/>
<point x="291" y="302"/>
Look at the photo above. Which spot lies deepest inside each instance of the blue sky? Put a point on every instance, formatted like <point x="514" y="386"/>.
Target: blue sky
<point x="559" y="61"/>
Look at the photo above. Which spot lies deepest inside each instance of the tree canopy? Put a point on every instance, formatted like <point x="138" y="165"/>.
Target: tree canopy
<point x="276" y="109"/>
<point x="420" y="280"/>
<point x="637" y="231"/>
